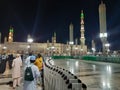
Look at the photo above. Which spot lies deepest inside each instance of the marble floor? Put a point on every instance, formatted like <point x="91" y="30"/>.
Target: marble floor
<point x="96" y="75"/>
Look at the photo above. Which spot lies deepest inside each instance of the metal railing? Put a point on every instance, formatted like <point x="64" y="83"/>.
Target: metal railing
<point x="57" y="78"/>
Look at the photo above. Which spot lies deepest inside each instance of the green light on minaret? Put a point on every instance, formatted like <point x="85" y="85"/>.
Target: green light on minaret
<point x="54" y="34"/>
<point x="82" y="15"/>
<point x="11" y="30"/>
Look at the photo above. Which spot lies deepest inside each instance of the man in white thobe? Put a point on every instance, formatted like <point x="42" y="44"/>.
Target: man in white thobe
<point x="32" y="85"/>
<point x="16" y="74"/>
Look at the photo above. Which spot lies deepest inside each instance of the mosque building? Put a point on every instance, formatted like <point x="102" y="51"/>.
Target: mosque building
<point x="48" y="48"/>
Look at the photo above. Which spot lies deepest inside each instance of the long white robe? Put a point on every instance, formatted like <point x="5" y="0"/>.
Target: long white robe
<point x="16" y="64"/>
<point x="32" y="85"/>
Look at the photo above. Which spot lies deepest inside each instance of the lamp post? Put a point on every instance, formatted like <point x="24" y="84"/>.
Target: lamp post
<point x="71" y="45"/>
<point x="53" y="49"/>
<point x="4" y="49"/>
<point x="103" y="37"/>
<point x="76" y="48"/>
<point x="81" y="51"/>
<point x="67" y="51"/>
<point x="93" y="50"/>
<point x="48" y="51"/>
<point x="29" y="40"/>
<point x="107" y="45"/>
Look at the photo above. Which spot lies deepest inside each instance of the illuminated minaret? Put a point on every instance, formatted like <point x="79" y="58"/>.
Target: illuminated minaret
<point x="76" y="41"/>
<point x="28" y="36"/>
<point x="102" y="22"/>
<point x="10" y="38"/>
<point x="54" y="38"/>
<point x="48" y="44"/>
<point x="93" y="46"/>
<point x="71" y="33"/>
<point x="82" y="38"/>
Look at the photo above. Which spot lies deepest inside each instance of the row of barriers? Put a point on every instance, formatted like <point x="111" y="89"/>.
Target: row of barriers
<point x="57" y="78"/>
<point x="102" y="58"/>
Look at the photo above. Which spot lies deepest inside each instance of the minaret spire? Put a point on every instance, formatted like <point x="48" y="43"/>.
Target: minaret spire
<point x="10" y="38"/>
<point x="82" y="38"/>
<point x="71" y="33"/>
<point x="103" y="25"/>
<point x="54" y="37"/>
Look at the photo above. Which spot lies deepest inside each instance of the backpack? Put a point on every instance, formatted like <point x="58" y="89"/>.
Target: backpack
<point x="4" y="57"/>
<point x="28" y="74"/>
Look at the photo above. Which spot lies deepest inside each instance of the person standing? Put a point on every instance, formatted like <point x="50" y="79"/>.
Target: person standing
<point x="3" y="62"/>
<point x="31" y="85"/>
<point x="39" y="63"/>
<point x="10" y="59"/>
<point x="16" y="74"/>
<point x="27" y="61"/>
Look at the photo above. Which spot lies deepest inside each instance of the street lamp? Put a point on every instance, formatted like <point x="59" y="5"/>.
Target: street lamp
<point x="107" y="45"/>
<point x="93" y="50"/>
<point x="53" y="49"/>
<point x="29" y="40"/>
<point x="81" y="51"/>
<point x="4" y="49"/>
<point x="76" y="48"/>
<point x="103" y="37"/>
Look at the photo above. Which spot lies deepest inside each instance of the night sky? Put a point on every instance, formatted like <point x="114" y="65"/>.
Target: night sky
<point x="41" y="18"/>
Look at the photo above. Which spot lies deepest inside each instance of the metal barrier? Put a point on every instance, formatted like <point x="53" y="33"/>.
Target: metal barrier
<point x="57" y="78"/>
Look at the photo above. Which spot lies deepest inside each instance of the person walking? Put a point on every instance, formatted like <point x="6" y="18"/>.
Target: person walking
<point x="16" y="74"/>
<point x="39" y="63"/>
<point x="32" y="83"/>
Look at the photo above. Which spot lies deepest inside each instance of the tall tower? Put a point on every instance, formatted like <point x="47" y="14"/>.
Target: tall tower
<point x="54" y="37"/>
<point x="93" y="46"/>
<point x="102" y="22"/>
<point x="10" y="38"/>
<point x="71" y="33"/>
<point x="82" y="38"/>
<point x="28" y="36"/>
<point x="76" y="41"/>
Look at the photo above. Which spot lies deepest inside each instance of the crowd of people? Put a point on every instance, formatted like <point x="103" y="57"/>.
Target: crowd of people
<point x="16" y="63"/>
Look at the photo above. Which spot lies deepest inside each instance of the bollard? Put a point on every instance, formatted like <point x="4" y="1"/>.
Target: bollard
<point x="84" y="87"/>
<point x="57" y="78"/>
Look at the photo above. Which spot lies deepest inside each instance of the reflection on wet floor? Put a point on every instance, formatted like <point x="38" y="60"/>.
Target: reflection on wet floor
<point x="96" y="75"/>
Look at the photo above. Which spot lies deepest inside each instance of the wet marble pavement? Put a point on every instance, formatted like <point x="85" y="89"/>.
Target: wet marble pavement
<point x="96" y="75"/>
